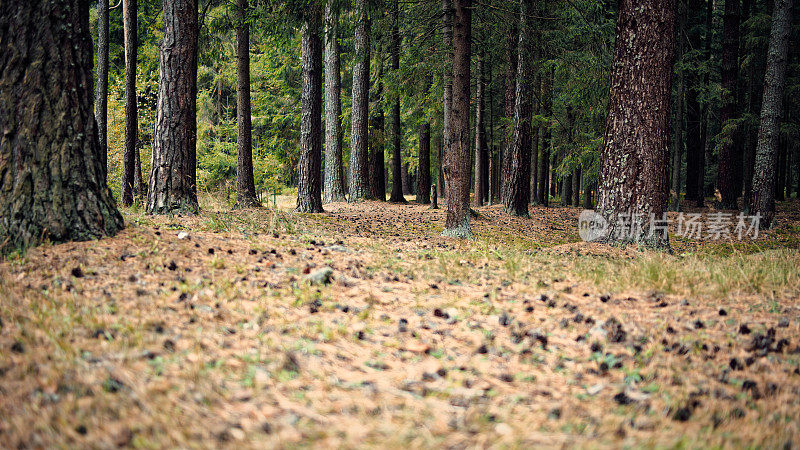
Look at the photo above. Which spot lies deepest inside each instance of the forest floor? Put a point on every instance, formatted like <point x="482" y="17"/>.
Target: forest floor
<point x="363" y="327"/>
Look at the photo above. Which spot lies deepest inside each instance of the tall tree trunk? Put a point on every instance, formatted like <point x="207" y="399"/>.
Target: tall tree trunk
<point x="494" y="156"/>
<point x="636" y="142"/>
<point x="480" y="140"/>
<point x="677" y="148"/>
<point x="424" y="164"/>
<point x="544" y="163"/>
<point x="101" y="97"/>
<point x="131" y="113"/>
<point x="576" y="187"/>
<point x="359" y="142"/>
<point x="694" y="113"/>
<point x="516" y="192"/>
<point x="447" y="77"/>
<point x="535" y="138"/>
<point x="397" y="158"/>
<point x="458" y="152"/>
<point x="52" y="179"/>
<point x="678" y="114"/>
<point x="245" y="185"/>
<point x="763" y="200"/>
<point x="377" y="170"/>
<point x="334" y="176"/>
<point x="309" y="188"/>
<point x="587" y="195"/>
<point x="509" y="103"/>
<point x="730" y="160"/>
<point x="567" y="191"/>
<point x="703" y="159"/>
<point x="406" y="178"/>
<point x="173" y="173"/>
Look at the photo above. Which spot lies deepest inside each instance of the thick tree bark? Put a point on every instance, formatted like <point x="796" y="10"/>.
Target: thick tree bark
<point x="729" y="175"/>
<point x="101" y="97"/>
<point x="52" y="179"/>
<point x="359" y="156"/>
<point x="447" y="77"/>
<point x="763" y="199"/>
<point x="173" y="174"/>
<point x="377" y="169"/>
<point x="245" y="185"/>
<point x="309" y="188"/>
<point x="397" y="158"/>
<point x="334" y="176"/>
<point x="131" y="112"/>
<point x="424" y="176"/>
<point x="544" y="162"/>
<point x="516" y="192"/>
<point x="481" y="162"/>
<point x="458" y="153"/>
<point x="635" y="152"/>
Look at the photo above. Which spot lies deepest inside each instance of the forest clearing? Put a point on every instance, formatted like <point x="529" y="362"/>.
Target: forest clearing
<point x="207" y="331"/>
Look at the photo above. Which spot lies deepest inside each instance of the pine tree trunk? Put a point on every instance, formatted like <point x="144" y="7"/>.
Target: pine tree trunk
<point x="458" y="153"/>
<point x="334" y="176"/>
<point x="377" y="169"/>
<point x="535" y="138"/>
<point x="755" y="89"/>
<point x="131" y="113"/>
<point x="406" y="178"/>
<point x="359" y="156"/>
<point x="635" y="152"/>
<point x="245" y="185"/>
<point x="509" y="103"/>
<point x="516" y="193"/>
<point x="397" y="159"/>
<point x="52" y="179"/>
<point x="763" y="200"/>
<point x="424" y="176"/>
<point x="309" y="188"/>
<point x="677" y="148"/>
<point x="694" y="116"/>
<point x="544" y="163"/>
<point x="173" y="173"/>
<point x="576" y="187"/>
<point x="447" y="32"/>
<point x="730" y="160"/>
<point x="703" y="160"/>
<point x="587" y="196"/>
<point x="101" y="97"/>
<point x="480" y="140"/>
